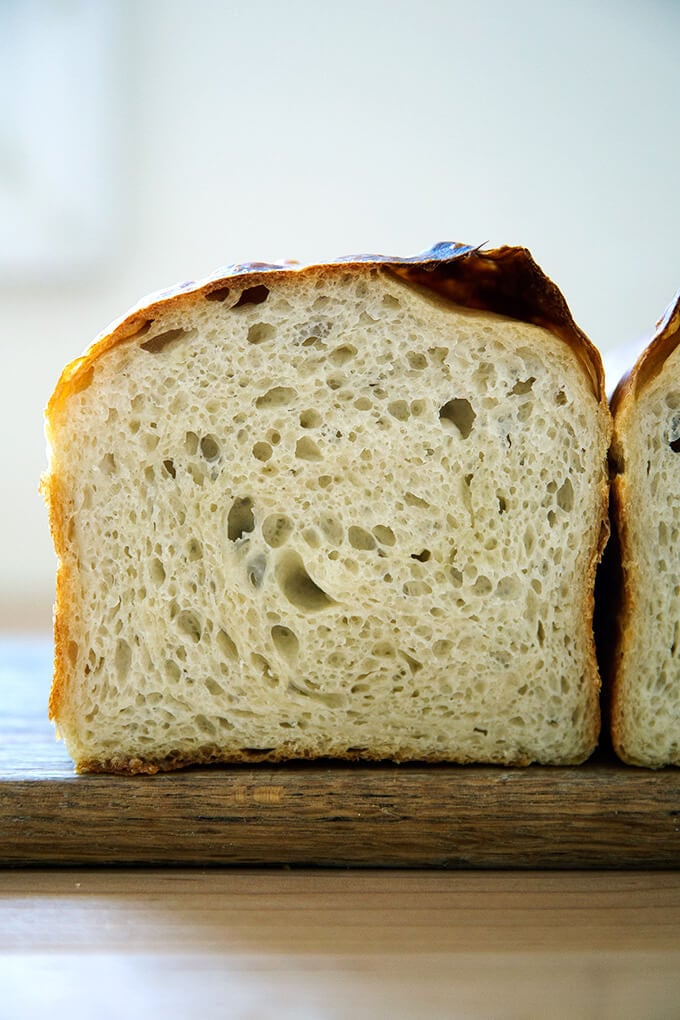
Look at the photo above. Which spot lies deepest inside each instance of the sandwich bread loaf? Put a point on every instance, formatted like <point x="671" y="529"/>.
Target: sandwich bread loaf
<point x="350" y="510"/>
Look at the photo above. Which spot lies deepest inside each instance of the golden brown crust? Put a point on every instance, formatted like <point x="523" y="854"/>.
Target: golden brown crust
<point x="647" y="367"/>
<point x="214" y="756"/>
<point x="665" y="340"/>
<point x="504" y="281"/>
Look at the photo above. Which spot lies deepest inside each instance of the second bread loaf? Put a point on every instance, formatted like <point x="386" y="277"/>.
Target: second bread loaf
<point x="646" y="504"/>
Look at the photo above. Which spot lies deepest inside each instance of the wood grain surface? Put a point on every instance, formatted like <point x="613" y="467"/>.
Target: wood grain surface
<point x="601" y="815"/>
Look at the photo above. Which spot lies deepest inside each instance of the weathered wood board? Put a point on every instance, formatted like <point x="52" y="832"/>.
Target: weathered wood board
<point x="600" y="815"/>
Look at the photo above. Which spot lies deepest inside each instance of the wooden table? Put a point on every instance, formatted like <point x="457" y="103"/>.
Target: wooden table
<point x="308" y="945"/>
<point x="299" y="942"/>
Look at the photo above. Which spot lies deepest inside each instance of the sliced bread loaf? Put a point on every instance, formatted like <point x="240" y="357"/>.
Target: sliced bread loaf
<point x="645" y="719"/>
<point x="348" y="510"/>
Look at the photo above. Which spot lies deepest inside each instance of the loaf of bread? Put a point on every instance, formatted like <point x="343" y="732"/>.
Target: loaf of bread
<point x="350" y="510"/>
<point x="645" y="710"/>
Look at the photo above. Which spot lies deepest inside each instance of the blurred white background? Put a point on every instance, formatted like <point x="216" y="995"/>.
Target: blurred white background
<point x="142" y="143"/>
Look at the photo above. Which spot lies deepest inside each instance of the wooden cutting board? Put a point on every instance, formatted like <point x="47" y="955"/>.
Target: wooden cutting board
<point x="600" y="815"/>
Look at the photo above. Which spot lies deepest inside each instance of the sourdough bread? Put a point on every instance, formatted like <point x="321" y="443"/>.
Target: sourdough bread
<point x="645" y="718"/>
<point x="351" y="510"/>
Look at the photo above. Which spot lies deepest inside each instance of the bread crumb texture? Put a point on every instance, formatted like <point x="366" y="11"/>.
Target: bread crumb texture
<point x="647" y="707"/>
<point x="332" y="516"/>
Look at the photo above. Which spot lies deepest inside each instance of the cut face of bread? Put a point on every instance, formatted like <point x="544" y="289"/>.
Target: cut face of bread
<point x="329" y="512"/>
<point x="646" y="695"/>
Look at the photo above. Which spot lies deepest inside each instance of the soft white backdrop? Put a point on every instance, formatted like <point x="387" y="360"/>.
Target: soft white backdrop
<point x="226" y="132"/>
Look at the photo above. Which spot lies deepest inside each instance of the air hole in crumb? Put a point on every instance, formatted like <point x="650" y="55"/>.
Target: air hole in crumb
<point x="188" y="623"/>
<point x="384" y="534"/>
<point x="260" y="332"/>
<point x="423" y="555"/>
<point x="565" y="496"/>
<point x="332" y="529"/>
<point x="191" y="443"/>
<point x="172" y="670"/>
<point x="508" y="588"/>
<point x="277" y="396"/>
<point x="416" y="360"/>
<point x="286" y="642"/>
<point x="413" y="664"/>
<point x="194" y="550"/>
<point x="241" y="518"/>
<point x="674" y="433"/>
<point x="256" y="570"/>
<point x="218" y="294"/>
<point x="108" y="464"/>
<point x="482" y="585"/>
<point x="359" y="538"/>
<point x="226" y="645"/>
<point x="262" y="451"/>
<point x="276" y="529"/>
<point x="523" y="385"/>
<point x="213" y="687"/>
<point x="310" y="419"/>
<point x="210" y="448"/>
<point x="341" y="355"/>
<point x="306" y="449"/>
<point x="157" y="571"/>
<point x="163" y="340"/>
<point x="459" y="413"/>
<point x="298" y="587"/>
<point x="398" y="409"/>
<point x="253" y="296"/>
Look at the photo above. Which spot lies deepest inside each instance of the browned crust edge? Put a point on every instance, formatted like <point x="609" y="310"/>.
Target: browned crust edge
<point x="214" y="756"/>
<point x="506" y="281"/>
<point x="627" y="392"/>
<point x="650" y="362"/>
<point x="503" y="280"/>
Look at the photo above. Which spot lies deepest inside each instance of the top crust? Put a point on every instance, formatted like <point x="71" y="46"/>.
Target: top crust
<point x="503" y="280"/>
<point x="666" y="338"/>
